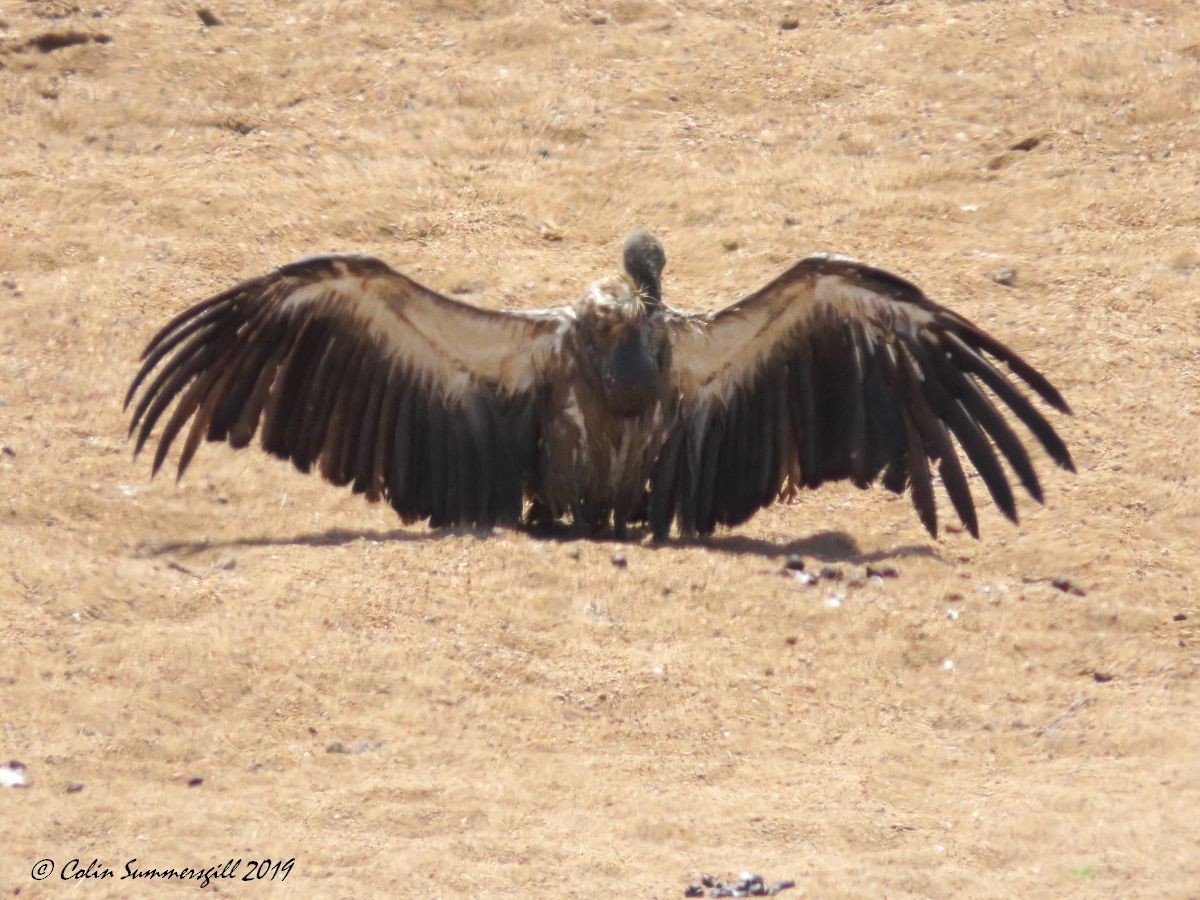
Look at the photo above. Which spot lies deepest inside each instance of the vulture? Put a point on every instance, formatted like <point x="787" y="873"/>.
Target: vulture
<point x="615" y="409"/>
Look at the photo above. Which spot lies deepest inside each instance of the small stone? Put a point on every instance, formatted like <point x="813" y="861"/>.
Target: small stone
<point x="336" y="747"/>
<point x="7" y="450"/>
<point x="694" y="890"/>
<point x="598" y="18"/>
<point x="780" y="886"/>
<point x="1180" y="617"/>
<point x="12" y="774"/>
<point x="751" y="885"/>
<point x="791" y="221"/>
<point x="708" y="881"/>
<point x="1067" y="586"/>
<point x="831" y="573"/>
<point x="791" y="640"/>
<point x="619" y="560"/>
<point x="789" y="24"/>
<point x="195" y="781"/>
<point x="208" y="18"/>
<point x="730" y="244"/>
<point x="574" y="553"/>
<point x="227" y="561"/>
<point x="1026" y="145"/>
<point x="180" y="567"/>
<point x="74" y="787"/>
<point x="1102" y="677"/>
<point x="1005" y="276"/>
<point x="883" y="571"/>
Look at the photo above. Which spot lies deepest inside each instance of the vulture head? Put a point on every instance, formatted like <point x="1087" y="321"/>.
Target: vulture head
<point x="624" y="345"/>
<point x="645" y="259"/>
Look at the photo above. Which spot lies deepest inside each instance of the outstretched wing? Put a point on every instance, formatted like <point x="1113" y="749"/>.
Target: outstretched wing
<point x="836" y="370"/>
<point x="376" y="380"/>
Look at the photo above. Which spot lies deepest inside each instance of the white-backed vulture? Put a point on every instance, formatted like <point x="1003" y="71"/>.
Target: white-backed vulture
<point x="612" y="409"/>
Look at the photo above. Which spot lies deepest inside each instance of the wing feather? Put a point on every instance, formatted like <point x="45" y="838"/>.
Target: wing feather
<point x="964" y="428"/>
<point x="203" y="317"/>
<point x="405" y="436"/>
<point x="805" y="411"/>
<point x="932" y="440"/>
<point x="436" y="487"/>
<point x="970" y="361"/>
<point x="665" y="483"/>
<point x="706" y="473"/>
<point x="841" y="371"/>
<point x="369" y="426"/>
<point x="341" y="363"/>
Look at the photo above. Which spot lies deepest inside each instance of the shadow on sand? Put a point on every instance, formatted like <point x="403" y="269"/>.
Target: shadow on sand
<point x="827" y="546"/>
<point x="334" y="537"/>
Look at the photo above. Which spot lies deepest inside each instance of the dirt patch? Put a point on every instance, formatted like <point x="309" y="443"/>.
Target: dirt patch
<point x="253" y="664"/>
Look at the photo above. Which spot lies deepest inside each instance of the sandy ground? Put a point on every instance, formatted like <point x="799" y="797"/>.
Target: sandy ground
<point x="409" y="713"/>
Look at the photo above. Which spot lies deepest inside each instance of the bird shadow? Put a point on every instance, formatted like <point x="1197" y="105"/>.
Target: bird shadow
<point x="334" y="537"/>
<point x="827" y="546"/>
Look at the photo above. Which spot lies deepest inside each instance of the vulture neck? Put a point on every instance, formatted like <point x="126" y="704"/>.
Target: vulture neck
<point x="649" y="285"/>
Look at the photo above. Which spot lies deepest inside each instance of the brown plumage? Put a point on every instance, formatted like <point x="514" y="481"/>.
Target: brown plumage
<point x="613" y="408"/>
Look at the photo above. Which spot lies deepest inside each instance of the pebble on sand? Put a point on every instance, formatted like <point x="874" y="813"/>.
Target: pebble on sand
<point x="1005" y="276"/>
<point x="12" y="774"/>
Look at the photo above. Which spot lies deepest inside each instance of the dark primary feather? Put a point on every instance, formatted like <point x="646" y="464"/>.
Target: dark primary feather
<point x="344" y="365"/>
<point x="862" y="377"/>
